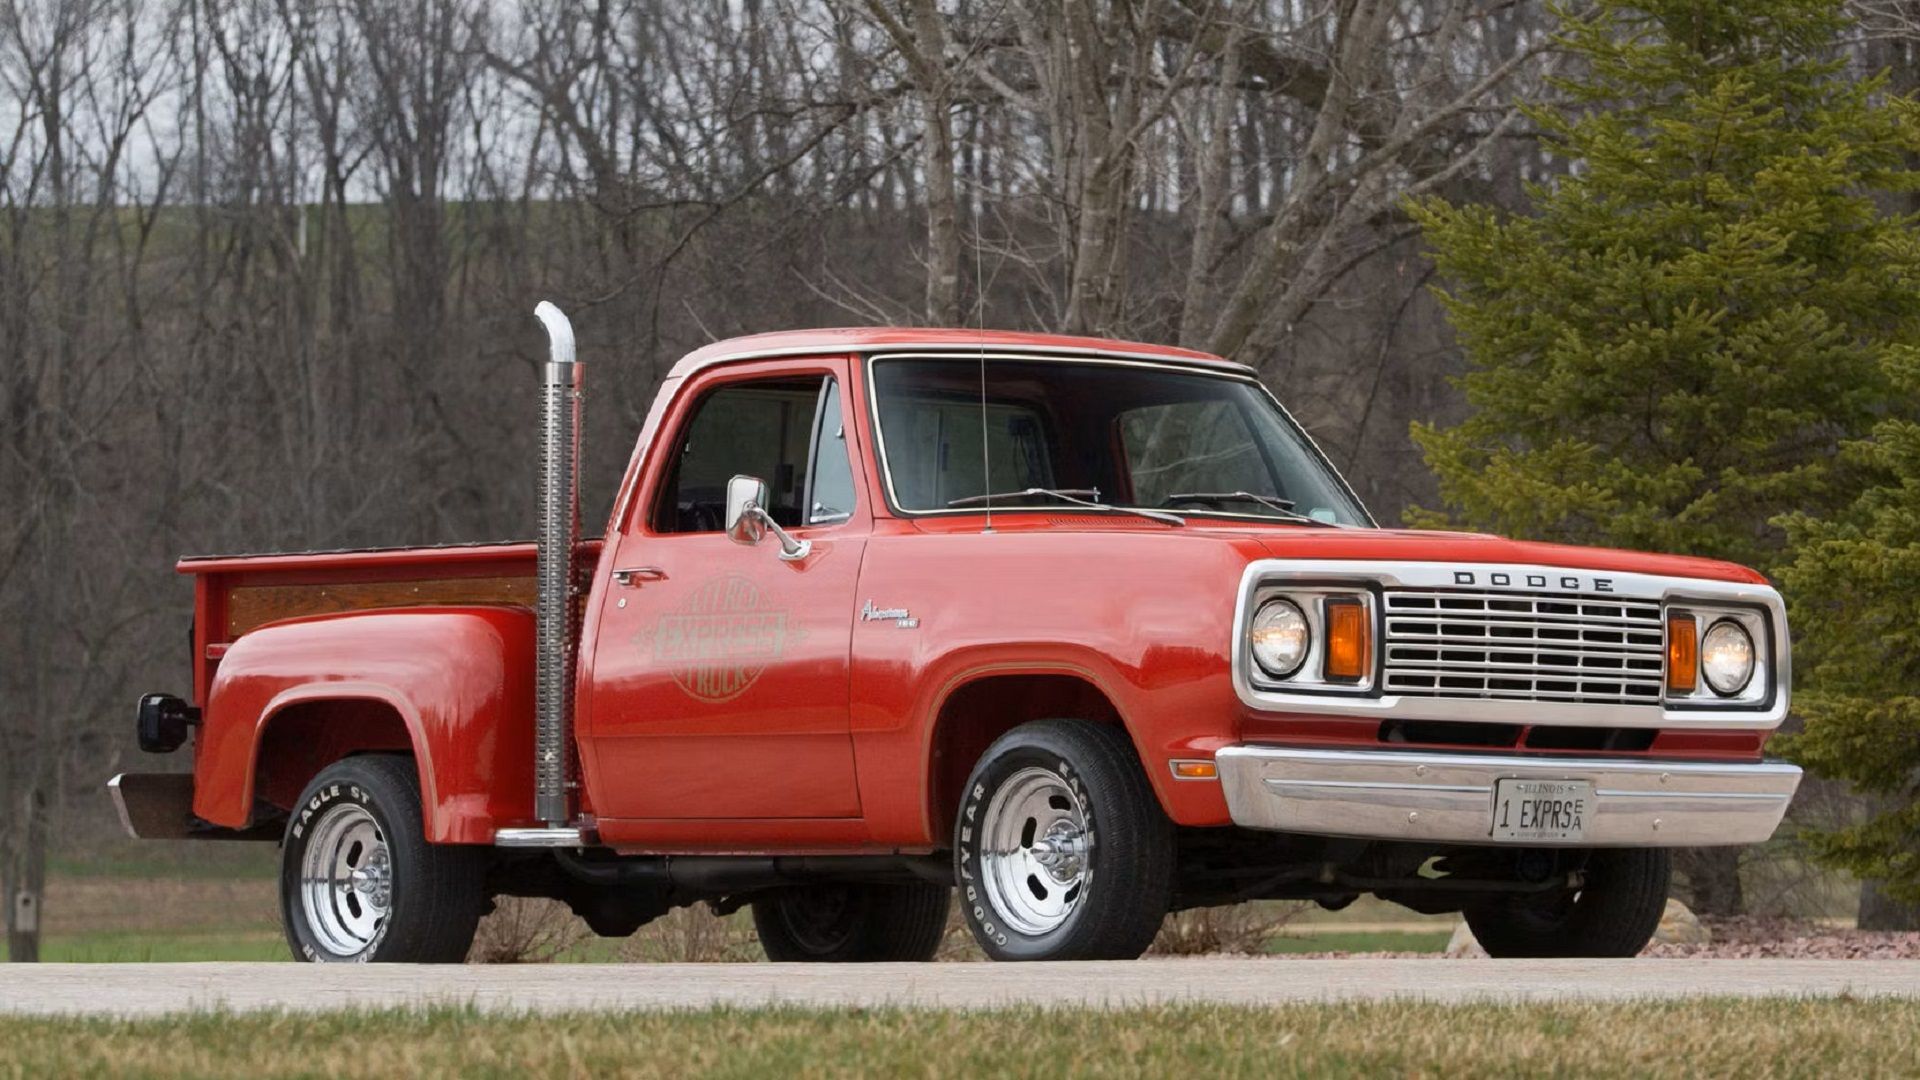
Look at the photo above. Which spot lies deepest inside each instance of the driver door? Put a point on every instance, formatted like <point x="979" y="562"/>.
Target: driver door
<point x="720" y="685"/>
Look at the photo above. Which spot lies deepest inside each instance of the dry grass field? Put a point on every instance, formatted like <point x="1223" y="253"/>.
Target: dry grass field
<point x="1752" y="1040"/>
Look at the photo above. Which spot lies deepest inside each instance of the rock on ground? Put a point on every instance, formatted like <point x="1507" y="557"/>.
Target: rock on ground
<point x="1463" y="946"/>
<point x="1680" y="926"/>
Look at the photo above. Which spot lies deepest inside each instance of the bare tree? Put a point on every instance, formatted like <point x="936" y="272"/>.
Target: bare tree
<point x="1391" y="120"/>
<point x="85" y="76"/>
<point x="921" y="37"/>
<point x="264" y="264"/>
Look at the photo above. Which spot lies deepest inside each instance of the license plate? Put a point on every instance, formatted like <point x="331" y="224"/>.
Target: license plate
<point x="1537" y="811"/>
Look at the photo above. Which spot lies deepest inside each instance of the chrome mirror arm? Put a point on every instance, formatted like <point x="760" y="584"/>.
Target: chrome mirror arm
<point x="792" y="548"/>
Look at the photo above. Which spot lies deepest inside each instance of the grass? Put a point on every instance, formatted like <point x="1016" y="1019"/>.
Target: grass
<point x="1748" y="1039"/>
<point x="1366" y="909"/>
<point x="134" y="868"/>
<point x="139" y="947"/>
<point x="254" y="942"/>
<point x="103" y="919"/>
<point x="181" y="860"/>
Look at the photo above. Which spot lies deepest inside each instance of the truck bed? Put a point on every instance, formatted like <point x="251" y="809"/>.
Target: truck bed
<point x="234" y="594"/>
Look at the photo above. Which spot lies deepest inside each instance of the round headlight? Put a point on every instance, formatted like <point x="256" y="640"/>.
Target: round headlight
<point x="1726" y="657"/>
<point x="1279" y="637"/>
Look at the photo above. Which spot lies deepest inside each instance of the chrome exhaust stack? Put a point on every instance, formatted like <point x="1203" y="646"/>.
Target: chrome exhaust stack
<point x="559" y="539"/>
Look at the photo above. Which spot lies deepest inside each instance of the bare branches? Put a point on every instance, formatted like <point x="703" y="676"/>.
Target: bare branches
<point x="264" y="263"/>
<point x="926" y="48"/>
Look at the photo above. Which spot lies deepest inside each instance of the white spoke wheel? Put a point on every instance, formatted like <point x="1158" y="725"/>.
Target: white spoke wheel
<point x="1035" y="847"/>
<point x="346" y="880"/>
<point x="358" y="880"/>
<point x="1061" y="850"/>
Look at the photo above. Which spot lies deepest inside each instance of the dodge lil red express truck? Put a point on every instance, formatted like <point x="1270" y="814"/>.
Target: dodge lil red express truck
<point x="1069" y="632"/>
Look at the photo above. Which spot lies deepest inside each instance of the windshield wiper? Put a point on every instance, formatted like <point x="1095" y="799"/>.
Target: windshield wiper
<point x="1066" y="494"/>
<point x="1283" y="507"/>
<point x="1087" y="497"/>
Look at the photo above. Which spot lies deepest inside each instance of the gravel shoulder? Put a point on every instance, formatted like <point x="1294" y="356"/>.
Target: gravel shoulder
<point x="152" y="989"/>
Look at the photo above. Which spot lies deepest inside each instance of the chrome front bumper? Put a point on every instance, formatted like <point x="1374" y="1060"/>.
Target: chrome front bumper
<point x="1448" y="798"/>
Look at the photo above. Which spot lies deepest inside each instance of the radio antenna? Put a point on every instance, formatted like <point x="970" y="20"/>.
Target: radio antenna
<point x="980" y="323"/>
<point x="986" y="457"/>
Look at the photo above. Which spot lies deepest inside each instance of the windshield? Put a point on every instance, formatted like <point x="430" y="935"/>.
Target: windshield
<point x="1122" y="436"/>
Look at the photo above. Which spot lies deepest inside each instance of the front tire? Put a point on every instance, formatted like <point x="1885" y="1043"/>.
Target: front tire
<point x="359" y="883"/>
<point x="853" y="923"/>
<point x="1614" y="913"/>
<point x="1061" y="850"/>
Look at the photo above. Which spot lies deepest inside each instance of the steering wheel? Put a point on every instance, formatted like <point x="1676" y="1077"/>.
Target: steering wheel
<point x="702" y="517"/>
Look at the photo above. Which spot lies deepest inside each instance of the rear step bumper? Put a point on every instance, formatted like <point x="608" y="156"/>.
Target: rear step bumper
<point x="154" y="806"/>
<point x="159" y="806"/>
<point x="1449" y="798"/>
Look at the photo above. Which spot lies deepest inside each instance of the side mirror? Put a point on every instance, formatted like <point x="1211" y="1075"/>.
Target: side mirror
<point x="746" y="494"/>
<point x="748" y="521"/>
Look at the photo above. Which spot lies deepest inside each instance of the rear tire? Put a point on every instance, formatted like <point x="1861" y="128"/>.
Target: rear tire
<point x="359" y="883"/>
<point x="1061" y="850"/>
<point x="1614" y="913"/>
<point x="853" y="923"/>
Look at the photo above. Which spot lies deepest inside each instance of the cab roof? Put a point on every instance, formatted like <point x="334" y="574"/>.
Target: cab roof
<point x="872" y="339"/>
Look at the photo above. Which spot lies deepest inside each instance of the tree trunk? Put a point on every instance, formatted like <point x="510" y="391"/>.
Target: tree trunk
<point x="1213" y="177"/>
<point x="925" y="48"/>
<point x="943" y="220"/>
<point x="1714" y="876"/>
<point x="1878" y="911"/>
<point x="29" y="882"/>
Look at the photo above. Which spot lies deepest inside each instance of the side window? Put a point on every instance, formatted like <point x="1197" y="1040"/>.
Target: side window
<point x="830" y="496"/>
<point x="742" y="429"/>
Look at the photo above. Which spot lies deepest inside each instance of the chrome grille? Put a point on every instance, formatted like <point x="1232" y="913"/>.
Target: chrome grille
<point x="1585" y="647"/>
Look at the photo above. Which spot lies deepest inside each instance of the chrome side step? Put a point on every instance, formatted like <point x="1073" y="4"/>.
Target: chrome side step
<point x="561" y="837"/>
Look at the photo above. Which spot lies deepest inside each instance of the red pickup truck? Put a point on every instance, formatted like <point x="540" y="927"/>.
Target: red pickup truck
<point x="1084" y="631"/>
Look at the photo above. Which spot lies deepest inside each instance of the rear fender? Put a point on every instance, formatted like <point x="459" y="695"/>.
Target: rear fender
<point x="451" y="685"/>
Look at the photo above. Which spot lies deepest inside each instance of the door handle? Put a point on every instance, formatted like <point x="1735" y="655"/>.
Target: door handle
<point x="634" y="575"/>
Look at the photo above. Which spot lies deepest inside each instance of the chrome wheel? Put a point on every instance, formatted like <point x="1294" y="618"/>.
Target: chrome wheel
<point x="346" y="880"/>
<point x="1034" y="852"/>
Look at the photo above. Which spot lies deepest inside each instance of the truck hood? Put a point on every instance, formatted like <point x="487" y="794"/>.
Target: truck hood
<point x="1284" y="541"/>
<point x="1413" y="545"/>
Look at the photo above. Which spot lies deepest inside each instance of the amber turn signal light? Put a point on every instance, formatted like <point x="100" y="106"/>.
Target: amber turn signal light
<point x="1349" y="641"/>
<point x="1683" y="654"/>
<point x="1195" y="770"/>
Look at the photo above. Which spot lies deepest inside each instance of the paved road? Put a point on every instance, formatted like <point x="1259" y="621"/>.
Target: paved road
<point x="158" y="988"/>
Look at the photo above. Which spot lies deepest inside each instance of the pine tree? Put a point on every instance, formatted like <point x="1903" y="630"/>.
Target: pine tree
<point x="1668" y="351"/>
<point x="1854" y="586"/>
